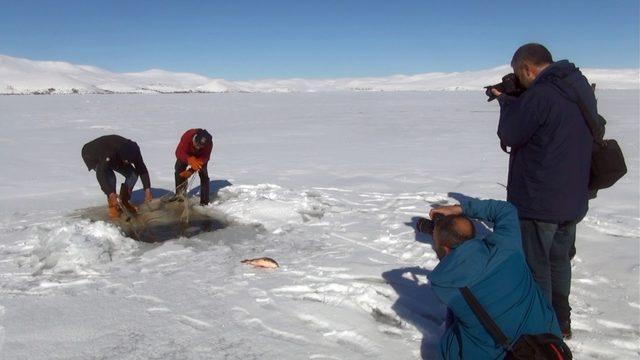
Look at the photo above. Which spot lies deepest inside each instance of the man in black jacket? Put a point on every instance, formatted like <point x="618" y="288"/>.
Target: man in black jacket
<point x="110" y="153"/>
<point x="549" y="165"/>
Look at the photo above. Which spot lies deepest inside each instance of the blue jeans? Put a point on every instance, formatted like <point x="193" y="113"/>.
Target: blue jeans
<point x="547" y="248"/>
<point x="129" y="173"/>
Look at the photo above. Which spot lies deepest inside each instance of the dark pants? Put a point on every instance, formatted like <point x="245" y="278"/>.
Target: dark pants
<point x="129" y="173"/>
<point x="547" y="247"/>
<point x="181" y="183"/>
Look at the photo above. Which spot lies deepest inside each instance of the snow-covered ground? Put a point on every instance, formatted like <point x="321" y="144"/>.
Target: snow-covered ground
<point x="24" y="76"/>
<point x="327" y="184"/>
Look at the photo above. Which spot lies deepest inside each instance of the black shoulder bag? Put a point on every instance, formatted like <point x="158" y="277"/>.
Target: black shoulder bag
<point x="607" y="161"/>
<point x="534" y="347"/>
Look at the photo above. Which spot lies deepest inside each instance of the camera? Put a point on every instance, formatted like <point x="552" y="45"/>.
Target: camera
<point x="510" y="85"/>
<point x="427" y="225"/>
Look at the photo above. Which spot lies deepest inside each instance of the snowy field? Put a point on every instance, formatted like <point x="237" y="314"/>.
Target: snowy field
<point x="327" y="184"/>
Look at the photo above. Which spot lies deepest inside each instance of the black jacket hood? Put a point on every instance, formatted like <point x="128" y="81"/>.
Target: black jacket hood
<point x="567" y="79"/>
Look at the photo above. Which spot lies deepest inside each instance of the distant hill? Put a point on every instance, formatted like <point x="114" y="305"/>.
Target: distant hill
<point x="23" y="76"/>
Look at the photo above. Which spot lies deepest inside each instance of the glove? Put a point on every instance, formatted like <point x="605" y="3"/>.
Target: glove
<point x="186" y="174"/>
<point x="195" y="163"/>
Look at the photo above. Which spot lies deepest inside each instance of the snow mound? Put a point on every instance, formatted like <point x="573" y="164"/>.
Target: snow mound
<point x="271" y="206"/>
<point x="79" y="247"/>
<point x="218" y="86"/>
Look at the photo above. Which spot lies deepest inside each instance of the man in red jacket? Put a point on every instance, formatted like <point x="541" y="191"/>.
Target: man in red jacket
<point x="192" y="155"/>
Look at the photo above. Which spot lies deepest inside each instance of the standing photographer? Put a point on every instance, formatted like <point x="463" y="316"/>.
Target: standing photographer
<point x="549" y="165"/>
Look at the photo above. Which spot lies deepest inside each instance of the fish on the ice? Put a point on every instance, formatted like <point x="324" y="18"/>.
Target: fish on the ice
<point x="263" y="262"/>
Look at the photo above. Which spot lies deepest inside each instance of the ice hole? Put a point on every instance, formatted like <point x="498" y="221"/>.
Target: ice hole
<point x="161" y="219"/>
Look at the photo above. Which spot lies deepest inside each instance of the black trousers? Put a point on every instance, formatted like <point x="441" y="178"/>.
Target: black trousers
<point x="181" y="183"/>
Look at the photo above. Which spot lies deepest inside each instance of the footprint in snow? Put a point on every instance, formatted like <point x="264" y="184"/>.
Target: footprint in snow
<point x="194" y="323"/>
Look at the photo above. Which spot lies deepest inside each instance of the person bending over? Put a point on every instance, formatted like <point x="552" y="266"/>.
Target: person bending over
<point x="192" y="155"/>
<point x="110" y="153"/>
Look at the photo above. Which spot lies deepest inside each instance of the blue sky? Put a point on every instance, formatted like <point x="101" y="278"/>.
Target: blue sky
<point x="239" y="39"/>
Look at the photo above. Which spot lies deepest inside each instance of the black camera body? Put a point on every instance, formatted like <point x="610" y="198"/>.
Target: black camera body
<point x="427" y="225"/>
<point x="510" y="85"/>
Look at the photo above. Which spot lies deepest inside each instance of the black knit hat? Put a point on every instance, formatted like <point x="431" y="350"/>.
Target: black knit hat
<point x="202" y="138"/>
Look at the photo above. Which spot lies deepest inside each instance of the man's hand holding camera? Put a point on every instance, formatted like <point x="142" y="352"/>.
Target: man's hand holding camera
<point x="453" y="228"/>
<point x="446" y="210"/>
<point x="510" y="85"/>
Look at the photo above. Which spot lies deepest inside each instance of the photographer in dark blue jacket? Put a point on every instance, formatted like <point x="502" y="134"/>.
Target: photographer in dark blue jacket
<point x="549" y="165"/>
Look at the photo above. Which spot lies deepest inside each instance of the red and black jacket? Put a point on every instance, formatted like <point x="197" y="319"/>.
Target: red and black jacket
<point x="186" y="149"/>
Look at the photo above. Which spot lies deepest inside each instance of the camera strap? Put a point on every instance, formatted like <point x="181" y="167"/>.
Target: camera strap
<point x="485" y="319"/>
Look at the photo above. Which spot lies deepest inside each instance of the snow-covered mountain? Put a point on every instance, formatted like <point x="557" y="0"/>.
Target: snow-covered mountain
<point x="23" y="76"/>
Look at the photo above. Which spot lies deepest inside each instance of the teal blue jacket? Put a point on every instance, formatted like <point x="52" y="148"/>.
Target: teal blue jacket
<point x="495" y="270"/>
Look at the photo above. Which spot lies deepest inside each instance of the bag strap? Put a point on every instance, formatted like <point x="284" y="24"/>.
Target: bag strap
<point x="485" y="319"/>
<point x="586" y="114"/>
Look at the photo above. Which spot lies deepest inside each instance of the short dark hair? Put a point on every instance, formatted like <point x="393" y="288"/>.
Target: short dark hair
<point x="450" y="232"/>
<point x="534" y="53"/>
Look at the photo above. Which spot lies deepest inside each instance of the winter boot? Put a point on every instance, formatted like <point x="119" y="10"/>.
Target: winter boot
<point x="114" y="207"/>
<point x="125" y="196"/>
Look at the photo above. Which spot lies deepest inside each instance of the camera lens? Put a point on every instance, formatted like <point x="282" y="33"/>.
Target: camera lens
<point x="425" y="226"/>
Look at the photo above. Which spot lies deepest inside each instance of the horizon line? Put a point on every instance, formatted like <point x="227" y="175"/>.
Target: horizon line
<point x="300" y="77"/>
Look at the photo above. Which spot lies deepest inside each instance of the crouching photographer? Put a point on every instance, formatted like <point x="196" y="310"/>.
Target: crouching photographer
<point x="497" y="310"/>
